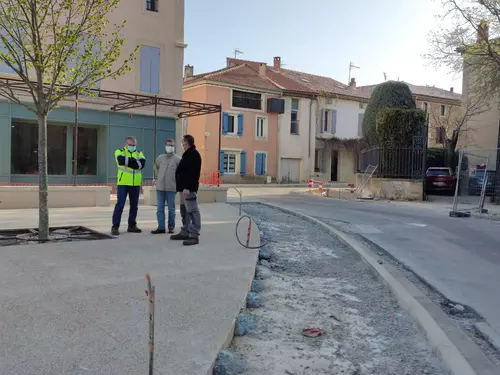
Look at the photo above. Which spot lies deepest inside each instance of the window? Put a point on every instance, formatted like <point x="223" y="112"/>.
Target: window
<point x="24" y="149"/>
<point x="150" y="69"/>
<point x="440" y="135"/>
<point x="231" y="120"/>
<point x="249" y="100"/>
<point x="425" y="106"/>
<point x="294" y="120"/>
<point x="325" y="122"/>
<point x="443" y="110"/>
<point x="317" y="160"/>
<point x="229" y="162"/>
<point x="152" y="5"/>
<point x="87" y="152"/>
<point x="261" y="127"/>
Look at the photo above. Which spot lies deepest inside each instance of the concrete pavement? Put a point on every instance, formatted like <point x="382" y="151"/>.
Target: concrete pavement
<point x="80" y="308"/>
<point x="459" y="257"/>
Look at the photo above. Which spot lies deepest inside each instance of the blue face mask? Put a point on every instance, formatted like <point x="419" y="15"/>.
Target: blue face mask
<point x="131" y="148"/>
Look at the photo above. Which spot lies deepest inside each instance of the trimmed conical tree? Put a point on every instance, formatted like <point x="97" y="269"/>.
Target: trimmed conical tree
<point x="390" y="94"/>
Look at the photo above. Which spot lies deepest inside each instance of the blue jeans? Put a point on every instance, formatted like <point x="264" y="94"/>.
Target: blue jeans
<point x="161" y="197"/>
<point x="133" y="193"/>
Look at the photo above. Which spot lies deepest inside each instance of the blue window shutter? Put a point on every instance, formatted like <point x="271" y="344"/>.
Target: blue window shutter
<point x="240" y="124"/>
<point x="323" y="121"/>
<point x="334" y="121"/>
<point x="243" y="162"/>
<point x="4" y="68"/>
<point x="360" y="124"/>
<point x="258" y="163"/>
<point x="97" y="51"/>
<point x="323" y="160"/>
<point x="225" y="122"/>
<point x="221" y="163"/>
<point x="264" y="164"/>
<point x="145" y="85"/>
<point x="155" y="70"/>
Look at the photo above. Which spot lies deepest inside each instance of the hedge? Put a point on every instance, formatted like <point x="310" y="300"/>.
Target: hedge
<point x="397" y="127"/>
<point x="390" y="94"/>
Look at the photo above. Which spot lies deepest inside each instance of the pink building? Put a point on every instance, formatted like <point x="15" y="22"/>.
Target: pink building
<point x="248" y="127"/>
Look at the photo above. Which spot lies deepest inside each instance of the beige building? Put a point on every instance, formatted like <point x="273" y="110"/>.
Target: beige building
<point x="158" y="28"/>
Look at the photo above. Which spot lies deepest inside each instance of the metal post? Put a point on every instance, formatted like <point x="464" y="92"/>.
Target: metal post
<point x="220" y="141"/>
<point x="75" y="143"/>
<point x="459" y="167"/>
<point x="155" y="134"/>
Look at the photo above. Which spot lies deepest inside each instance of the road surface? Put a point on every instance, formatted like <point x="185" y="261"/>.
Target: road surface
<point x="458" y="257"/>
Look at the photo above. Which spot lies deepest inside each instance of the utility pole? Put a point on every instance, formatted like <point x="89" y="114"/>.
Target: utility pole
<point x="351" y="65"/>
<point x="237" y="52"/>
<point x="385" y="76"/>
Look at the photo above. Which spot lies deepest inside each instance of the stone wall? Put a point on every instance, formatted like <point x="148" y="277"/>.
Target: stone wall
<point x="388" y="188"/>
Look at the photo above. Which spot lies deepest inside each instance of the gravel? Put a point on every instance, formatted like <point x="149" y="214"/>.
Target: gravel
<point x="312" y="280"/>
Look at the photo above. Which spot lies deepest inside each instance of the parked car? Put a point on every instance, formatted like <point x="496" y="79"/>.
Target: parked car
<point x="440" y="179"/>
<point x="476" y="181"/>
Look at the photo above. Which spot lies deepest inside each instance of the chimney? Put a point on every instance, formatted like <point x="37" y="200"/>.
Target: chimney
<point x="188" y="71"/>
<point x="451" y="89"/>
<point x="483" y="32"/>
<point x="263" y="70"/>
<point x="352" y="84"/>
<point x="277" y="63"/>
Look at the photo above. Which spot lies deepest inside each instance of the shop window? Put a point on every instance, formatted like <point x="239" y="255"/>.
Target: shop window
<point x="24" y="148"/>
<point x="87" y="152"/>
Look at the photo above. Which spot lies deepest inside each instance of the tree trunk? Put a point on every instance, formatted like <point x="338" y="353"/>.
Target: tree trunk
<point x="43" y="209"/>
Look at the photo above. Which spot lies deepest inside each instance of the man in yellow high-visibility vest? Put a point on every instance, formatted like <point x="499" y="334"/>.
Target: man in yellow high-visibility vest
<point x="130" y="163"/>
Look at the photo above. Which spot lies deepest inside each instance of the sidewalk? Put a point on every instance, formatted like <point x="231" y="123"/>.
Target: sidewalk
<point x="80" y="308"/>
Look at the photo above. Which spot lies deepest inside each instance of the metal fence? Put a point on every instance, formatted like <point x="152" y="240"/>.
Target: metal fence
<point x="401" y="163"/>
<point x="476" y="179"/>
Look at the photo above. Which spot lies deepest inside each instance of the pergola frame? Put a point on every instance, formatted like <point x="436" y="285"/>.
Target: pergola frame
<point x="126" y="101"/>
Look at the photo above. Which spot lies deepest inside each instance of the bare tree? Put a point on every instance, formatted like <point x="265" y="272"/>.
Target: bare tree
<point x="463" y="42"/>
<point x="58" y="48"/>
<point x="454" y="124"/>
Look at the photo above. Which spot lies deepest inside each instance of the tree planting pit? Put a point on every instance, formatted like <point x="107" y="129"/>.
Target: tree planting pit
<point x="12" y="237"/>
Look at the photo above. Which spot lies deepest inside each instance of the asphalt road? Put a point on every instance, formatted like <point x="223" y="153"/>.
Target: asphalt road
<point x="459" y="257"/>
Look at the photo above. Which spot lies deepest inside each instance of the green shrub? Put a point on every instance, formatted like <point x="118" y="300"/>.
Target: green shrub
<point x="390" y="94"/>
<point x="397" y="127"/>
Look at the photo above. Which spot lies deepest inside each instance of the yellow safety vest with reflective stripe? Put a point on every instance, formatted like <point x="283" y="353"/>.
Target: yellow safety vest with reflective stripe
<point x="128" y="176"/>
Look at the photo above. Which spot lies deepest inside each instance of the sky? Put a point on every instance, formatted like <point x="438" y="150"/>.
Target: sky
<point x="319" y="37"/>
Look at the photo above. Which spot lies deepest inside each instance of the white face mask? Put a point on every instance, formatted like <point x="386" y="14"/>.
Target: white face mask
<point x="169" y="149"/>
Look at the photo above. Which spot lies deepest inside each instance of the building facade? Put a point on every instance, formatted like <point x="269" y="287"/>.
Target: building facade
<point x="158" y="28"/>
<point x="242" y="143"/>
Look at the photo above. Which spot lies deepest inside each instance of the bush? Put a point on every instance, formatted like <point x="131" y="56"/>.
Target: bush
<point x="438" y="157"/>
<point x="390" y="94"/>
<point x="397" y="127"/>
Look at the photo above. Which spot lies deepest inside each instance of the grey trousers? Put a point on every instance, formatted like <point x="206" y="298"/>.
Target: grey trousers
<point x="190" y="213"/>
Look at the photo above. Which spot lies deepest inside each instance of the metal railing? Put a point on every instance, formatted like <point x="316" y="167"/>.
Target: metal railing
<point x="403" y="163"/>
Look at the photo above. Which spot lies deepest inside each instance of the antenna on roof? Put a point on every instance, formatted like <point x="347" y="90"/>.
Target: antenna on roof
<point x="351" y="65"/>
<point x="237" y="52"/>
<point x="385" y="76"/>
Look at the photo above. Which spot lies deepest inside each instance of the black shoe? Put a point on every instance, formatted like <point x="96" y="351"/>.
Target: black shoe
<point x="179" y="237"/>
<point x="191" y="241"/>
<point x="171" y="230"/>
<point x="158" y="231"/>
<point x="115" y="231"/>
<point x="134" y="229"/>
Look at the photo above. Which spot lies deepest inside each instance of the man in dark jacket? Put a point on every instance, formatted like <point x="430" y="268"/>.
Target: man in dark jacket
<point x="187" y="179"/>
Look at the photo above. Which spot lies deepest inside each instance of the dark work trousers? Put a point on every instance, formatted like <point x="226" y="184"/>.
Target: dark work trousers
<point x="133" y="193"/>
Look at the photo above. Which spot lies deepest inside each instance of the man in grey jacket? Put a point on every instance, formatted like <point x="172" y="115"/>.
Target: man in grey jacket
<point x="165" y="166"/>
